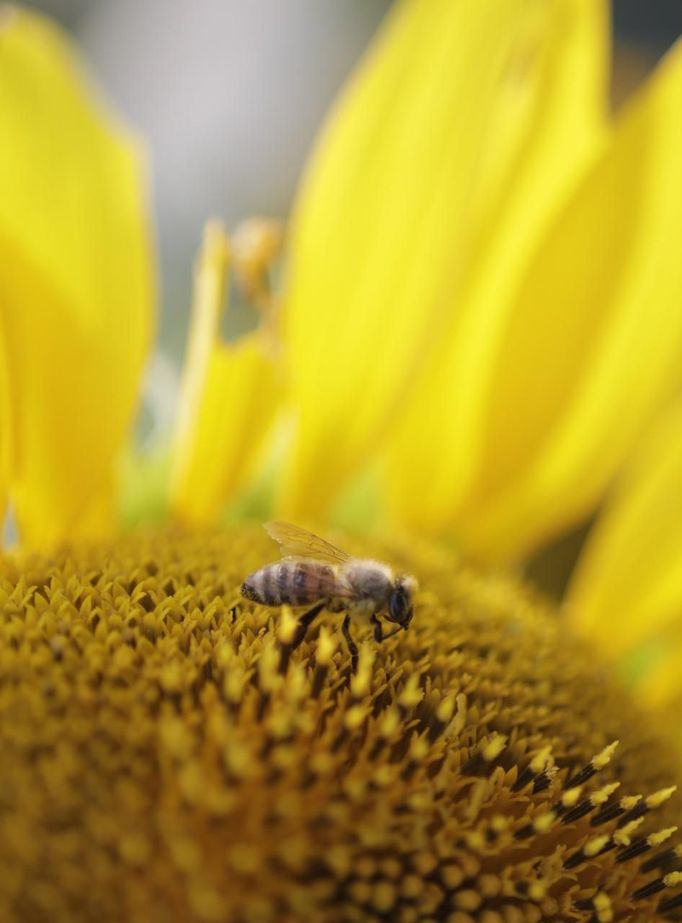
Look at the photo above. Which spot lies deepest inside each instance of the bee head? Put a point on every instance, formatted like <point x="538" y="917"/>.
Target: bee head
<point x="400" y="601"/>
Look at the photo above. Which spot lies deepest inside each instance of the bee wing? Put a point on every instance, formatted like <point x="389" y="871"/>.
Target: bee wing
<point x="296" y="542"/>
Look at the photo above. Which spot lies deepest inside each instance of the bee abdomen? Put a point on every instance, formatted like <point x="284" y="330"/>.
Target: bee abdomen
<point x="261" y="587"/>
<point x="248" y="590"/>
<point x="297" y="583"/>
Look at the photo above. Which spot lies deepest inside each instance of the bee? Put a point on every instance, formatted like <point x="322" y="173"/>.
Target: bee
<point x="315" y="573"/>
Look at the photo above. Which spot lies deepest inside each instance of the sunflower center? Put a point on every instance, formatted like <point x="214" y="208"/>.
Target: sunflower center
<point x="166" y="755"/>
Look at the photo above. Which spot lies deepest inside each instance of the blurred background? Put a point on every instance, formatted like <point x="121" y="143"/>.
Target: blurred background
<point x="229" y="95"/>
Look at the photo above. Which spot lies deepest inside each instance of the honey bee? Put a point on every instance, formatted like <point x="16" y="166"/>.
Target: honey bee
<point x="314" y="573"/>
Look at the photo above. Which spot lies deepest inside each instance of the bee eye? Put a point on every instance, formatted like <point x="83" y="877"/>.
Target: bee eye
<point x="399" y="607"/>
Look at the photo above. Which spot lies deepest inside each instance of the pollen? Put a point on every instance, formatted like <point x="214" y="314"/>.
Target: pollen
<point x="169" y="754"/>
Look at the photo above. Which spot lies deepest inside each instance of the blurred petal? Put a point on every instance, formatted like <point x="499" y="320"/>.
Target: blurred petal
<point x="438" y="446"/>
<point x="229" y="396"/>
<point x="627" y="588"/>
<point x="593" y="342"/>
<point x="406" y="184"/>
<point x="661" y="685"/>
<point x="76" y="286"/>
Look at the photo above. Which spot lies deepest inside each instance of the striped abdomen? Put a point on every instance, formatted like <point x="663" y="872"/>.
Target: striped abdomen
<point x="298" y="583"/>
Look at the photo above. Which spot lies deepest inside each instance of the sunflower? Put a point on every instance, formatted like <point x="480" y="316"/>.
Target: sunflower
<point x="477" y="330"/>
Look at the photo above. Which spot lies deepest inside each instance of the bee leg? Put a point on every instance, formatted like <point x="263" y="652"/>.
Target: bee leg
<point x="379" y="635"/>
<point x="352" y="646"/>
<point x="304" y="624"/>
<point x="378" y="628"/>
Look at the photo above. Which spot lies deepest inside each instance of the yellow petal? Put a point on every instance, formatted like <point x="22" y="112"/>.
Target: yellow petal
<point x="76" y="288"/>
<point x="658" y="683"/>
<point x="627" y="588"/>
<point x="593" y="341"/>
<point x="229" y="397"/>
<point x="406" y="180"/>
<point x="438" y="447"/>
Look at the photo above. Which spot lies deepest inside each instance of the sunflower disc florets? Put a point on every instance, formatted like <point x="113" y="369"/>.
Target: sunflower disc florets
<point x="165" y="756"/>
